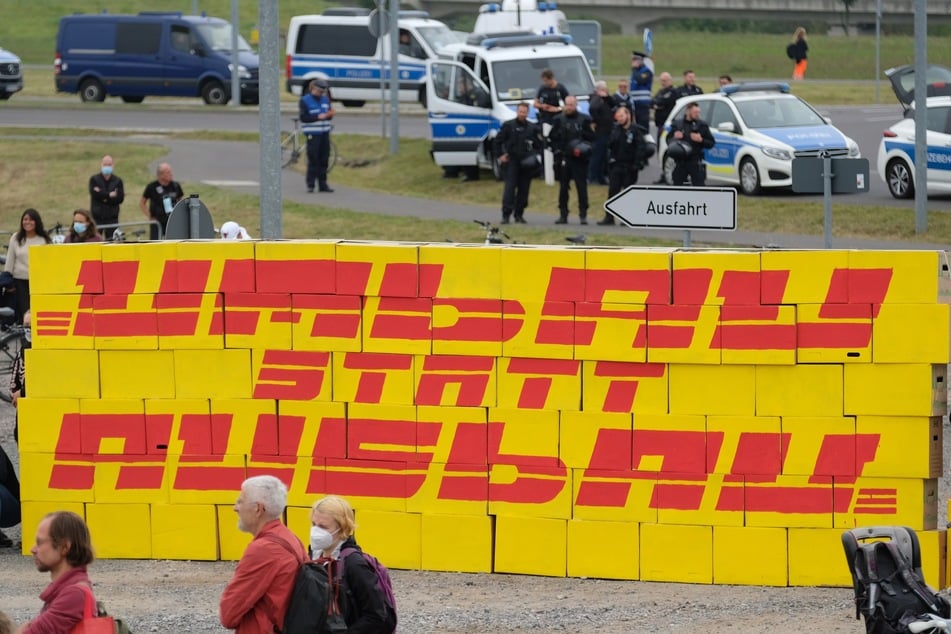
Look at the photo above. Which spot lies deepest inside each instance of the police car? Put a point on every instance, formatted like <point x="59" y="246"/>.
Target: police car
<point x="896" y="152"/>
<point x="759" y="129"/>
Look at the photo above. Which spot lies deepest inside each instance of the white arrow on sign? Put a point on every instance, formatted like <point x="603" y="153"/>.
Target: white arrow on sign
<point x="675" y="207"/>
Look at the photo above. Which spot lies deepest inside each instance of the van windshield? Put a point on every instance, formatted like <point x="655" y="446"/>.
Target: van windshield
<point x="437" y="36"/>
<point x="218" y="37"/>
<point x="520" y="79"/>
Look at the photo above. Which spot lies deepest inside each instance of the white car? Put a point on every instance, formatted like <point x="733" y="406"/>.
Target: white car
<point x="759" y="129"/>
<point x="11" y="74"/>
<point x="896" y="152"/>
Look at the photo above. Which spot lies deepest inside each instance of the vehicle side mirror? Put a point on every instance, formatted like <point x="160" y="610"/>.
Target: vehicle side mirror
<point x="727" y="126"/>
<point x="484" y="100"/>
<point x="198" y="50"/>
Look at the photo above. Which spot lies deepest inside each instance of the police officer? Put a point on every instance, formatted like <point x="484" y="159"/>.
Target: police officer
<point x="601" y="106"/>
<point x="663" y="104"/>
<point x="315" y="115"/>
<point x="627" y="155"/>
<point x="572" y="139"/>
<point x="690" y="87"/>
<point x="642" y="79"/>
<point x="517" y="145"/>
<point x="549" y="98"/>
<point x="696" y="135"/>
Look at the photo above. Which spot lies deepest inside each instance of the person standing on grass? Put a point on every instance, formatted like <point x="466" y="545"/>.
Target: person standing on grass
<point x="517" y="145"/>
<point x="106" y="194"/>
<point x="316" y="113"/>
<point x="798" y="52"/>
<point x="159" y="198"/>
<point x="31" y="233"/>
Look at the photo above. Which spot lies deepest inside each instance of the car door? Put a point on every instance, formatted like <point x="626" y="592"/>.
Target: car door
<point x="460" y="113"/>
<point x="184" y="60"/>
<point x="902" y="78"/>
<point x="939" y="146"/>
<point x="722" y="162"/>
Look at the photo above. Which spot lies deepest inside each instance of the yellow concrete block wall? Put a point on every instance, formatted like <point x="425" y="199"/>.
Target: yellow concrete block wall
<point x="327" y="322"/>
<point x="33" y="512"/>
<point x="614" y="495"/>
<point x="819" y="445"/>
<point x="893" y="277"/>
<point x="610" y="332"/>
<point x="541" y="384"/>
<point x="676" y="553"/>
<point x="211" y="479"/>
<point x="911" y="333"/>
<point x="896" y="389"/>
<point x="125" y="322"/>
<point x="231" y="541"/>
<point x="221" y="373"/>
<point x="184" y="531"/>
<point x="393" y="538"/>
<point x="627" y="276"/>
<point x="531" y="545"/>
<point x="732" y="563"/>
<point x="618" y="538"/>
<point x="124" y="530"/>
<point x="616" y="387"/>
<point x="758" y="335"/>
<point x="372" y="377"/>
<point x="54" y="425"/>
<point x="907" y="446"/>
<point x="799" y="390"/>
<point x="59" y="323"/>
<point x="55" y="271"/>
<point x="711" y="389"/>
<point x="257" y="320"/>
<point x="595" y="440"/>
<point x="834" y="333"/>
<point x="803" y="277"/>
<point x="62" y="373"/>
<point x="139" y="267"/>
<point x="789" y="501"/>
<point x="911" y="502"/>
<point x="456" y="543"/>
<point x="934" y="553"/>
<point x="455" y="380"/>
<point x="190" y="320"/>
<point x="816" y="558"/>
<point x="48" y="477"/>
<point x="447" y="271"/>
<point x="377" y="269"/>
<point x="140" y="373"/>
<point x="683" y="333"/>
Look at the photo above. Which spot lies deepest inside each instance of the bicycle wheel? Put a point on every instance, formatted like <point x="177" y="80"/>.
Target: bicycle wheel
<point x="10" y="344"/>
<point x="332" y="159"/>
<point x="291" y="149"/>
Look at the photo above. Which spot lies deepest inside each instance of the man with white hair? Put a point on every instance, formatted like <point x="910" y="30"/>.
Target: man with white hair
<point x="255" y="600"/>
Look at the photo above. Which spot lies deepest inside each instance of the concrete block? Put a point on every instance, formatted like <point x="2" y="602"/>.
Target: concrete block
<point x="477" y="327"/>
<point x="815" y="558"/>
<point x="46" y="477"/>
<point x="222" y="266"/>
<point x="378" y="485"/>
<point x="800" y="390"/>
<point x="819" y="445"/>
<point x="184" y="531"/>
<point x="863" y="501"/>
<point x="257" y="320"/>
<point x="32" y="513"/>
<point x="545" y="274"/>
<point x="297" y="518"/>
<point x="732" y="546"/>
<point x="189" y="320"/>
<point x="49" y="425"/>
<point x="377" y="269"/>
<point x="893" y="277"/>
<point x="614" y="387"/>
<point x="312" y="429"/>
<point x="676" y="553"/>
<point x="627" y="276"/>
<point x="611" y="332"/>
<point x="547" y="329"/>
<point x="895" y="389"/>
<point x="787" y="501"/>
<point x="804" y="277"/>
<point x="62" y="322"/>
<point x="744" y="445"/>
<point x="758" y="335"/>
<point x="531" y="545"/>
<point x="327" y="323"/>
<point x="894" y="341"/>
<point x="551" y="384"/>
<point x="614" y="495"/>
<point x="179" y="426"/>
<point x="46" y="380"/>
<point x="728" y="390"/>
<point x="77" y="269"/>
<point x="371" y="378"/>
<point x="205" y="479"/>
<point x="135" y="374"/>
<point x="904" y="446"/>
<point x="244" y="426"/>
<point x="834" y="333"/>
<point x="461" y="381"/>
<point x="683" y="333"/>
<point x="231" y="541"/>
<point x="619" y="538"/>
<point x="291" y="375"/>
<point x="446" y="271"/>
<point x="393" y="538"/>
<point x="595" y="440"/>
<point x="669" y="444"/>
<point x="716" y="278"/>
<point x="713" y="499"/>
<point x="295" y="266"/>
<point x="112" y="427"/>
<point x="441" y="536"/>
<point x="222" y="373"/>
<point x="398" y="325"/>
<point x="934" y="557"/>
<point x="122" y="531"/>
<point x="125" y="322"/>
<point x="382" y="432"/>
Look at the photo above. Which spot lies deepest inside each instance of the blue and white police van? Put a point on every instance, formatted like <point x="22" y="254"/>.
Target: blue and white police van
<point x="479" y="84"/>
<point x="338" y="46"/>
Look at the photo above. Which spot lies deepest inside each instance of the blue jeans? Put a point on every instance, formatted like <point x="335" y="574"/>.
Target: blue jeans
<point x="597" y="169"/>
<point x="9" y="508"/>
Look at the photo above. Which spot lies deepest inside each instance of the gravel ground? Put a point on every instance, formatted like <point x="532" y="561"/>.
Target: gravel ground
<point x="182" y="597"/>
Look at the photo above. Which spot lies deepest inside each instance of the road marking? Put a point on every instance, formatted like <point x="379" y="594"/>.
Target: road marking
<point x="232" y="183"/>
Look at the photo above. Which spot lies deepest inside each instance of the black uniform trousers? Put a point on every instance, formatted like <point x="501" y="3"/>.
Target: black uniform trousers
<point x="574" y="170"/>
<point x="318" y="156"/>
<point x="518" y="180"/>
<point x="694" y="168"/>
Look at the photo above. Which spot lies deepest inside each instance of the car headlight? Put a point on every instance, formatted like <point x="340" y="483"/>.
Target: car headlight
<point x="242" y="71"/>
<point x="853" y="149"/>
<point x="776" y="153"/>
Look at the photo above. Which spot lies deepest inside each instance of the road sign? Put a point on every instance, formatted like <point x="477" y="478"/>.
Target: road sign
<point x="379" y="23"/>
<point x="849" y="176"/>
<point x="675" y="207"/>
<point x="190" y="219"/>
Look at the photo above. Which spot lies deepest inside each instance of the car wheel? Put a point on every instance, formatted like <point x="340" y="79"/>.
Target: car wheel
<point x="749" y="177"/>
<point x="898" y="177"/>
<point x="214" y="94"/>
<point x="668" y="168"/>
<point x="92" y="90"/>
<point x="4" y="95"/>
<point x="133" y="98"/>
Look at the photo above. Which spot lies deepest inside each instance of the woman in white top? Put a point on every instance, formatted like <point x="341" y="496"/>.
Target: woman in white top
<point x="18" y="259"/>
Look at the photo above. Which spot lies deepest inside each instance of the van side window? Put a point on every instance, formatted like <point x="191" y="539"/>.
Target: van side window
<point x="181" y="39"/>
<point x="409" y="46"/>
<point x="335" y="39"/>
<point x="138" y="38"/>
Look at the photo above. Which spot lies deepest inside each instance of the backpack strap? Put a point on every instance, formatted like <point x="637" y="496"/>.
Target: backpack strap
<point x="90" y="609"/>
<point x="287" y="547"/>
<point x="911" y="579"/>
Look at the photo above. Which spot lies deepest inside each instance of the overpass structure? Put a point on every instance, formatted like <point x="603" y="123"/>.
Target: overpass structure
<point x="632" y="15"/>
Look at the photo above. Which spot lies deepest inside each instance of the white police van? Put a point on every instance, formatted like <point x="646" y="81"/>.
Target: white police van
<point x="338" y="46"/>
<point x="481" y="82"/>
<point x="543" y="18"/>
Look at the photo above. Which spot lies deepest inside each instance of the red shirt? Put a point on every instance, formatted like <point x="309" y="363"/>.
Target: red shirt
<point x="255" y="600"/>
<point x="63" y="603"/>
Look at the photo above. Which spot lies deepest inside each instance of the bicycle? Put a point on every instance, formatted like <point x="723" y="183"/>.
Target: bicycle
<point x="119" y="235"/>
<point x="12" y="338"/>
<point x="294" y="145"/>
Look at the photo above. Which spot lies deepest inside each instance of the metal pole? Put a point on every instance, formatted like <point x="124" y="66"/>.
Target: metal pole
<point x="194" y="7"/>
<point x="921" y="116"/>
<point x="235" y="79"/>
<point x="381" y="7"/>
<point x="194" y="210"/>
<point x="878" y="48"/>
<point x="394" y="76"/>
<point x="827" y="198"/>
<point x="269" y="91"/>
<point x="687" y="238"/>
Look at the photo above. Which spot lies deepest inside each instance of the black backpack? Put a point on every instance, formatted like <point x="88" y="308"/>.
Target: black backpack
<point x="310" y="609"/>
<point x="791" y="51"/>
<point x="890" y="590"/>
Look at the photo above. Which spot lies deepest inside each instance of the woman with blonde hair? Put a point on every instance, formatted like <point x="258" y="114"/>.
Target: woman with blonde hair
<point x="361" y="600"/>
<point x="798" y="50"/>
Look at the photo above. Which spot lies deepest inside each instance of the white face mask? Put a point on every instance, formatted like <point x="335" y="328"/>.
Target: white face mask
<point x="320" y="539"/>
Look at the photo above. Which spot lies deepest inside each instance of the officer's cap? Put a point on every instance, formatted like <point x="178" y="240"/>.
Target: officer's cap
<point x="638" y="55"/>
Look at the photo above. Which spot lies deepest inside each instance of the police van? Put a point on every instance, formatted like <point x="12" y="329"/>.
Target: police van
<point x="338" y="46"/>
<point x="543" y="18"/>
<point x="479" y="84"/>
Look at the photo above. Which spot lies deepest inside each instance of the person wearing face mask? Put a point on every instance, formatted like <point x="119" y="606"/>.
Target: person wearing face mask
<point x="106" y="194"/>
<point x="83" y="228"/>
<point x="361" y="601"/>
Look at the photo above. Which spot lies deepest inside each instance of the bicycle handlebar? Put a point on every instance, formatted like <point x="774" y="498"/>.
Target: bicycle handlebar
<point x="929" y="622"/>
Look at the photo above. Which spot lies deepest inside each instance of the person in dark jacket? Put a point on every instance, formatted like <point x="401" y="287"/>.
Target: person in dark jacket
<point x="9" y="497"/>
<point x="800" y="48"/>
<point x="106" y="193"/>
<point x="601" y="105"/>
<point x="572" y="139"/>
<point x="663" y="104"/>
<point x="693" y="130"/>
<point x="361" y="602"/>
<point x="517" y="146"/>
<point x="642" y="80"/>
<point x="690" y="87"/>
<point x="550" y="98"/>
<point x="626" y="155"/>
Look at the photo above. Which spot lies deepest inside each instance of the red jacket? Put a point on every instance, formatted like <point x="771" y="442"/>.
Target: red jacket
<point x="255" y="600"/>
<point x="63" y="603"/>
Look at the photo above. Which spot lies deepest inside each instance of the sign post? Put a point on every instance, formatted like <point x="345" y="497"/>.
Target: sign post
<point x="826" y="175"/>
<point x="708" y="208"/>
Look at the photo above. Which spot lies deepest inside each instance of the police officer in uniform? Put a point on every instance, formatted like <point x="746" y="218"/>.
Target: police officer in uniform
<point x="696" y="135"/>
<point x="549" y="98"/>
<point x="517" y="145"/>
<point x="315" y="115"/>
<point x="663" y="104"/>
<point x="572" y="139"/>
<point x="642" y="80"/>
<point x="627" y="155"/>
